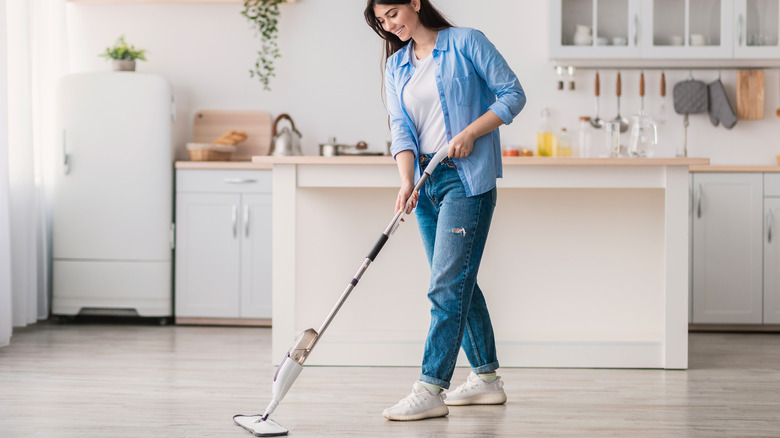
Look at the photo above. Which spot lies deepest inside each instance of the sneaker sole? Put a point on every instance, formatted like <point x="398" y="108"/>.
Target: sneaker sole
<point x="439" y="411"/>
<point x="494" y="398"/>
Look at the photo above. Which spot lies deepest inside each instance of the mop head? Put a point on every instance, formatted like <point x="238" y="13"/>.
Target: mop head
<point x="258" y="427"/>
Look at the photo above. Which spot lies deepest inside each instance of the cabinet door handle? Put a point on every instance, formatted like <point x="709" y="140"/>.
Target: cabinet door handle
<point x="246" y="220"/>
<point x="235" y="220"/>
<point x="636" y="30"/>
<point x="698" y="202"/>
<point x="741" y="22"/>
<point x="770" y="217"/>
<point x="240" y="180"/>
<point x="65" y="156"/>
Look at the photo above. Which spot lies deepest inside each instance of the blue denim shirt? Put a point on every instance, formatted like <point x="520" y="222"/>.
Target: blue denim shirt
<point x="472" y="78"/>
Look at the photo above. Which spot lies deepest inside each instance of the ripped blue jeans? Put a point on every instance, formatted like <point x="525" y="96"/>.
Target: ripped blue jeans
<point x="454" y="229"/>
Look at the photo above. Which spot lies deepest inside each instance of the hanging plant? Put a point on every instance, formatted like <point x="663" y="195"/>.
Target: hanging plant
<point x="263" y="14"/>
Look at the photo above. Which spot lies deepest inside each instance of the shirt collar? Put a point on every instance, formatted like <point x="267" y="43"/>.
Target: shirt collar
<point x="442" y="43"/>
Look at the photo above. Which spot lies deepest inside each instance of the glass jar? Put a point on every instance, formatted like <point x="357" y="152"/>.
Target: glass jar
<point x="584" y="138"/>
<point x="562" y="144"/>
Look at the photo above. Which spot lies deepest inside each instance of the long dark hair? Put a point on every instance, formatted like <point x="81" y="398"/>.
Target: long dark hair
<point x="430" y="17"/>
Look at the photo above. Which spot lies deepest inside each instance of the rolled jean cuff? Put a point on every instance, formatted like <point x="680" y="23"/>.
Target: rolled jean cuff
<point x="486" y="368"/>
<point x="434" y="381"/>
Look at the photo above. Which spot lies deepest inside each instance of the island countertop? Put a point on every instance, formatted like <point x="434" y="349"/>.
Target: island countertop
<point x="267" y="162"/>
<point x="586" y="264"/>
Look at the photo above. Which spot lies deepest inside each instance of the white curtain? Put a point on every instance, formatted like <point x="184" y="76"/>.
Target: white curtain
<point x="35" y="60"/>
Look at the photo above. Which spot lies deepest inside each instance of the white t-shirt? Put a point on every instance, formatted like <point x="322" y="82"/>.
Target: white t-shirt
<point x="421" y="98"/>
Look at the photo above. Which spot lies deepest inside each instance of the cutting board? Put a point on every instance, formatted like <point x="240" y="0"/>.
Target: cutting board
<point x="209" y="125"/>
<point x="750" y="94"/>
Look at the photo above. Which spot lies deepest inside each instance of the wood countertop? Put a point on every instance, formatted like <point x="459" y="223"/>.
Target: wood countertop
<point x="734" y="169"/>
<point x="267" y="162"/>
<point x="222" y="165"/>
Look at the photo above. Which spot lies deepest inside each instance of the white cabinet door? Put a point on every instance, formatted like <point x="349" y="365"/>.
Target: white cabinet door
<point x="256" y="256"/>
<point x="207" y="255"/>
<point x="687" y="29"/>
<point x="727" y="248"/>
<point x="772" y="261"/>
<point x="613" y="27"/>
<point x="757" y="24"/>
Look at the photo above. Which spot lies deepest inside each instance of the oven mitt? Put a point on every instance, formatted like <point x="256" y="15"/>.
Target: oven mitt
<point x="720" y="107"/>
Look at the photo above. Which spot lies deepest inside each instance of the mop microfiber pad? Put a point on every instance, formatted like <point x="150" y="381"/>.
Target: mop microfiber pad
<point x="259" y="427"/>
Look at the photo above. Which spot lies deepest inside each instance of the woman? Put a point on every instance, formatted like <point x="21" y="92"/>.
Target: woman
<point x="449" y="88"/>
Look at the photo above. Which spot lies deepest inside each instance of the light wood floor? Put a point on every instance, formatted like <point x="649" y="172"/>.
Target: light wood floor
<point x="88" y="380"/>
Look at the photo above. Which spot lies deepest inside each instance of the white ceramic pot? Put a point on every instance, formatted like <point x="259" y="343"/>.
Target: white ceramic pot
<point x="123" y="65"/>
<point x="582" y="36"/>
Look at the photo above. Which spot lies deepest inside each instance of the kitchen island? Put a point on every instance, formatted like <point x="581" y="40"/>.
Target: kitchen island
<point x="586" y="264"/>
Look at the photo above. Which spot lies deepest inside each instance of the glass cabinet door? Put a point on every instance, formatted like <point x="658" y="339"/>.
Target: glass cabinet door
<point x="594" y="28"/>
<point x="757" y="31"/>
<point x="687" y="29"/>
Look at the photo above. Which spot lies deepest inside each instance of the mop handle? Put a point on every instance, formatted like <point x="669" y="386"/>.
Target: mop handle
<point x="440" y="155"/>
<point x="435" y="160"/>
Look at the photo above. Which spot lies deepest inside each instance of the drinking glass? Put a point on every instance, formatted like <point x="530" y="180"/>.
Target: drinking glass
<point x="613" y="139"/>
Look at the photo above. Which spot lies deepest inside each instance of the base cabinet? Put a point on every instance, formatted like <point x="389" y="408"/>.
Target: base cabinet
<point x="772" y="261"/>
<point x="727" y="250"/>
<point x="223" y="244"/>
<point x="735" y="249"/>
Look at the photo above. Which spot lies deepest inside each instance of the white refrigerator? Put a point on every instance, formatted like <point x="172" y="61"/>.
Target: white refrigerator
<point x="112" y="228"/>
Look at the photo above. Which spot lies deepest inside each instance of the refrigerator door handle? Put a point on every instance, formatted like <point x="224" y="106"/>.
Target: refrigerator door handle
<point x="65" y="156"/>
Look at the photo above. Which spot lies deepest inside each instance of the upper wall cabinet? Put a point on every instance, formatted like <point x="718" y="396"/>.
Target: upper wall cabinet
<point x="594" y="29"/>
<point x="664" y="29"/>
<point x="687" y="29"/>
<point x="757" y="28"/>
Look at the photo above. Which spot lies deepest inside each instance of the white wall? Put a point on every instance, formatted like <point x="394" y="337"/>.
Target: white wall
<point x="328" y="78"/>
<point x="5" y="226"/>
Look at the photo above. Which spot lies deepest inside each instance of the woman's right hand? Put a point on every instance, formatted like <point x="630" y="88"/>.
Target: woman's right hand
<point x="405" y="196"/>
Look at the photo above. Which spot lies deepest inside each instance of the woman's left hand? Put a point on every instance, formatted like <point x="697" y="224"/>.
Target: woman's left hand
<point x="461" y="145"/>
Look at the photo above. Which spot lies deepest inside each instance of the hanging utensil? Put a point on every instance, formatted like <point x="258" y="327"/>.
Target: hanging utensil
<point x="596" y="122"/>
<point x="622" y="120"/>
<point x="644" y="131"/>
<point x="660" y="116"/>
<point x="690" y="97"/>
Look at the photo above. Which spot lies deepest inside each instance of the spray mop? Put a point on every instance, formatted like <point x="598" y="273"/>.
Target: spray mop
<point x="292" y="364"/>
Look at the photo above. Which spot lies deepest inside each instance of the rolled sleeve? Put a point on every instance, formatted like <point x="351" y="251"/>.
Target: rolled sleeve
<point x="499" y="77"/>
<point x="402" y="139"/>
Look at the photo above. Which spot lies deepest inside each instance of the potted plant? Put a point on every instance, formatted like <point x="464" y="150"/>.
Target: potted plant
<point x="123" y="56"/>
<point x="263" y="14"/>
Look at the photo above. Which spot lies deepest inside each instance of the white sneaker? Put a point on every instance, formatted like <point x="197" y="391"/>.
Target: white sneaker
<point x="418" y="405"/>
<point x="476" y="391"/>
